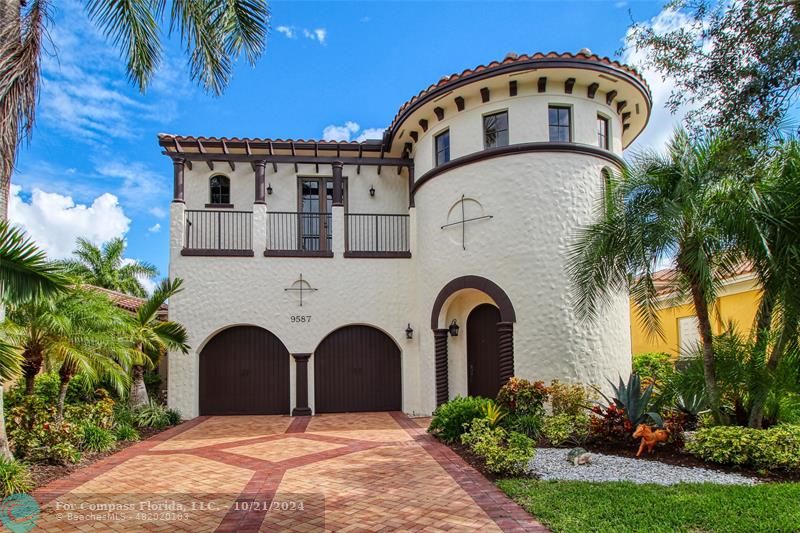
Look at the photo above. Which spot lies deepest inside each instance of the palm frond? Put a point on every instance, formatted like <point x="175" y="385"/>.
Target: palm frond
<point x="24" y="270"/>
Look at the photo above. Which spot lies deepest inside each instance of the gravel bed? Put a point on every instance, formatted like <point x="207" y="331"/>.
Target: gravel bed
<point x="551" y="464"/>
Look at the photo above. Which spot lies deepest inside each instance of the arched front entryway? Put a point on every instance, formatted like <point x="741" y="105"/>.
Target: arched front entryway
<point x="489" y="316"/>
<point x="483" y="366"/>
<point x="244" y="370"/>
<point x="357" y="368"/>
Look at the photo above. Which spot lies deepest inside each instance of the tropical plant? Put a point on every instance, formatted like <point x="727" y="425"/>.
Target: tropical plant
<point x="213" y="32"/>
<point x="153" y="415"/>
<point x="96" y="439"/>
<point x="126" y="432"/>
<point x="151" y="336"/>
<point x="520" y="396"/>
<point x="449" y="419"/>
<point x="494" y="413"/>
<point x="569" y="399"/>
<point x="105" y="266"/>
<point x="566" y="429"/>
<point x="24" y="274"/>
<point x="653" y="367"/>
<point x="776" y="448"/>
<point x="632" y="400"/>
<point x="527" y="424"/>
<point x="503" y="452"/>
<point x="664" y="209"/>
<point x="14" y="478"/>
<point x="78" y="331"/>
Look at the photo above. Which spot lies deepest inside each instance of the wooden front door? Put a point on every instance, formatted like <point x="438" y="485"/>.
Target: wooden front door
<point x="483" y="368"/>
<point x="357" y="368"/>
<point x="244" y="370"/>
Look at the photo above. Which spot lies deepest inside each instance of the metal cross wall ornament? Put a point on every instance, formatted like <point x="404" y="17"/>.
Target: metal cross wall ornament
<point x="463" y="223"/>
<point x="303" y="285"/>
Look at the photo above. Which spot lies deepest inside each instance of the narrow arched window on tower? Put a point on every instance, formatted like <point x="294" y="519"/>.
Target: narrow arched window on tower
<point x="220" y="190"/>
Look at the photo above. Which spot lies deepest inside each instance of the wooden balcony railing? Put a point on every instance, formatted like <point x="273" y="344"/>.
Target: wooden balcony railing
<point x="375" y="235"/>
<point x="228" y="233"/>
<point x="293" y="234"/>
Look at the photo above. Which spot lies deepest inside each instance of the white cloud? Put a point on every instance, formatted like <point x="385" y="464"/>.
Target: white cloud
<point x="620" y="4"/>
<point x="155" y="228"/>
<point x="136" y="184"/>
<point x="158" y="212"/>
<point x="288" y="31"/>
<point x="662" y="122"/>
<point x="318" y="34"/>
<point x="348" y="132"/>
<point x="55" y="221"/>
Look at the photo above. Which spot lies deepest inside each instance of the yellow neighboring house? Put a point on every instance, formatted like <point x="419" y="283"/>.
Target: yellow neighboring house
<point x="737" y="302"/>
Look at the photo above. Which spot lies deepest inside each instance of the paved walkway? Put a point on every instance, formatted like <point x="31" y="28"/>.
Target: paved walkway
<point x="341" y="472"/>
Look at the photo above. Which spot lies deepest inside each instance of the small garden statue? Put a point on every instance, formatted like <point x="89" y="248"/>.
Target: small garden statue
<point x="579" y="456"/>
<point x="649" y="437"/>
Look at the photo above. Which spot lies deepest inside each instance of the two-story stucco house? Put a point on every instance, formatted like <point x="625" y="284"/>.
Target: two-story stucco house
<point x="398" y="273"/>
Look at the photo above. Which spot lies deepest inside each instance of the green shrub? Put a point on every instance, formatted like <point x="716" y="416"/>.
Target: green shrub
<point x="566" y="429"/>
<point x="505" y="453"/>
<point x="653" y="367"/>
<point x="96" y="439"/>
<point x="174" y="417"/>
<point x="449" y="418"/>
<point x="530" y="425"/>
<point x="126" y="432"/>
<point x="776" y="448"/>
<point x="124" y="415"/>
<point x="569" y="399"/>
<point x="99" y="413"/>
<point x="520" y="396"/>
<point x="35" y="437"/>
<point x="14" y="478"/>
<point x="153" y="415"/>
<point x="633" y="401"/>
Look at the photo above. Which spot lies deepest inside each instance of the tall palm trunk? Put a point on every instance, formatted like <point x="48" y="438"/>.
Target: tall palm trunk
<point x="9" y="33"/>
<point x="65" y="373"/>
<point x="138" y="396"/>
<point x="707" y="339"/>
<point x="763" y="323"/>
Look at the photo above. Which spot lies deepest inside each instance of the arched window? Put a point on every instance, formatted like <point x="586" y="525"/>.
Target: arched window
<point x="220" y="190"/>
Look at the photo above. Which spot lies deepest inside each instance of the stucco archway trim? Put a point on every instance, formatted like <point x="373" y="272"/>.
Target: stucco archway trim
<point x="489" y="287"/>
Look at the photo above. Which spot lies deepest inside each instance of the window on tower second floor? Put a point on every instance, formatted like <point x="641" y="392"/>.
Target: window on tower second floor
<point x="442" y="143"/>
<point x="495" y="130"/>
<point x="560" y="124"/>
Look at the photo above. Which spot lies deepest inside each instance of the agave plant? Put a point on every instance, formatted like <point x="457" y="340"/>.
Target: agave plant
<point x="633" y="401"/>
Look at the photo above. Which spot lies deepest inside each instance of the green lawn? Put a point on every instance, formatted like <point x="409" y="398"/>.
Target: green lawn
<point x="577" y="506"/>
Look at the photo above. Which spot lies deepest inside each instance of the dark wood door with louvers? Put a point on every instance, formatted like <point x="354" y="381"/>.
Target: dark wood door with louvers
<point x="483" y="368"/>
<point x="244" y="370"/>
<point x="357" y="368"/>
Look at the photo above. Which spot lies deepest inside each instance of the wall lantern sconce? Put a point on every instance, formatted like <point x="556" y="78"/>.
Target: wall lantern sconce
<point x="269" y="189"/>
<point x="371" y="190"/>
<point x="409" y="332"/>
<point x="453" y="328"/>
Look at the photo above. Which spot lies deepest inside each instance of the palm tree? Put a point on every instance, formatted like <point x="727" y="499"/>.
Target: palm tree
<point x="664" y="209"/>
<point x="151" y="337"/>
<point x="213" y="32"/>
<point x="80" y="330"/>
<point x="770" y="234"/>
<point x="24" y="274"/>
<point x="105" y="266"/>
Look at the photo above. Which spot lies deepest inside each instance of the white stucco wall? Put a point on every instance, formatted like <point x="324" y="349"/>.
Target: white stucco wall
<point x="537" y="201"/>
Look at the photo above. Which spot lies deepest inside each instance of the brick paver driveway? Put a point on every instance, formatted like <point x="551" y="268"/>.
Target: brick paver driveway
<point x="344" y="472"/>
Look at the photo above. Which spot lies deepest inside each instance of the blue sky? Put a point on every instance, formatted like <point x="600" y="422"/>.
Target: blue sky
<point x="93" y="167"/>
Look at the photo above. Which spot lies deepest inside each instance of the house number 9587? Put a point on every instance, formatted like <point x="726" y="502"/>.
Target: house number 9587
<point x="300" y="319"/>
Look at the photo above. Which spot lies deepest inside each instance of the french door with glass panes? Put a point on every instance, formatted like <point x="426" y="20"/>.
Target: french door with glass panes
<point x="315" y="197"/>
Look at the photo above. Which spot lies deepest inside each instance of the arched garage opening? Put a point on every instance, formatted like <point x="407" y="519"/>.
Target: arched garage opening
<point x="357" y="368"/>
<point x="244" y="370"/>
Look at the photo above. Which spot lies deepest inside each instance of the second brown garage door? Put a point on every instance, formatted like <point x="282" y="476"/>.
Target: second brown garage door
<point x="357" y="368"/>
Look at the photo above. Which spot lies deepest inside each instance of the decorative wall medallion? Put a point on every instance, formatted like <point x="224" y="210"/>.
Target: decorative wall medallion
<point x="299" y="287"/>
<point x="463" y="211"/>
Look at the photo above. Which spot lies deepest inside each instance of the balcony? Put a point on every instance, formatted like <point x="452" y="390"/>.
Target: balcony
<point x="295" y="234"/>
<point x="218" y="233"/>
<point x="292" y="234"/>
<point x="377" y="235"/>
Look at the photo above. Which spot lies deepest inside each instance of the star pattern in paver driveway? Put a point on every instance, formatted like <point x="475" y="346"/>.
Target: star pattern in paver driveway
<point x="348" y="472"/>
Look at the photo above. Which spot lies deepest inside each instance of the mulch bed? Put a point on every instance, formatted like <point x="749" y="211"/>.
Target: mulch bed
<point x="43" y="474"/>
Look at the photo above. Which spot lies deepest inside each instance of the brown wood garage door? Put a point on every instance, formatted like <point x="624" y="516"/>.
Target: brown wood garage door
<point x="357" y="368"/>
<point x="244" y="370"/>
